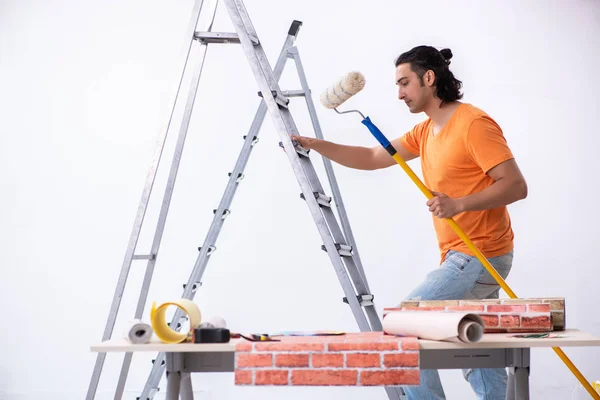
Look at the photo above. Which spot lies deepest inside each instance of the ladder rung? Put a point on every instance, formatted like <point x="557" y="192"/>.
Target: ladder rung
<point x="363" y="299"/>
<point x="226" y="212"/>
<point x="343" y="249"/>
<point x="299" y="149"/>
<point x="321" y="199"/>
<point x="211" y="249"/>
<point x="254" y="140"/>
<point x="294" y="93"/>
<point x="144" y="257"/>
<point x="195" y="286"/>
<point x="153" y="391"/>
<point x="239" y="177"/>
<point x="281" y="100"/>
<point x="217" y="37"/>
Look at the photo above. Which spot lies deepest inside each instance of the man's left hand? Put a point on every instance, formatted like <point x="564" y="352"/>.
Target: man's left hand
<point x="443" y="206"/>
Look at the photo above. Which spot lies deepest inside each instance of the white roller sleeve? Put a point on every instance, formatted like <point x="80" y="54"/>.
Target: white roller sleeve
<point x="343" y="89"/>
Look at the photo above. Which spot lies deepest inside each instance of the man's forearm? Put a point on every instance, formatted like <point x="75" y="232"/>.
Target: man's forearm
<point x="500" y="193"/>
<point x="356" y="157"/>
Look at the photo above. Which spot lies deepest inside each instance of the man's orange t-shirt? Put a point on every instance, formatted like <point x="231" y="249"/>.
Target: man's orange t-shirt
<point x="456" y="162"/>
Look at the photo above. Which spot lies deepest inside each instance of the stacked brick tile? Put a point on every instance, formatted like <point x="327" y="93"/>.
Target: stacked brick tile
<point x="353" y="359"/>
<point x="501" y="315"/>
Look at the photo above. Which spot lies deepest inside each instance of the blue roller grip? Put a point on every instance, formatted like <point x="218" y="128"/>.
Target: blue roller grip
<point x="379" y="136"/>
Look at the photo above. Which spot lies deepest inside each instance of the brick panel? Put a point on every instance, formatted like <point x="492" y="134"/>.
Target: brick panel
<point x="352" y="359"/>
<point x="500" y="315"/>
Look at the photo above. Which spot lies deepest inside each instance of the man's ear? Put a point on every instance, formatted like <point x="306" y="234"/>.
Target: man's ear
<point x="429" y="78"/>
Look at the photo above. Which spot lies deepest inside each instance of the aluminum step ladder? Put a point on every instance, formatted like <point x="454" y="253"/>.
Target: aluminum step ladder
<point x="337" y="242"/>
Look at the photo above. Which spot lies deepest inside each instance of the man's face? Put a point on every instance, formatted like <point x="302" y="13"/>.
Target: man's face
<point x="410" y="90"/>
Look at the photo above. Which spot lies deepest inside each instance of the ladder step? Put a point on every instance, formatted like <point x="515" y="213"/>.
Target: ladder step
<point x="294" y="93"/>
<point x="363" y="299"/>
<point x="343" y="249"/>
<point x="144" y="257"/>
<point x="321" y="199"/>
<point x="216" y="37"/>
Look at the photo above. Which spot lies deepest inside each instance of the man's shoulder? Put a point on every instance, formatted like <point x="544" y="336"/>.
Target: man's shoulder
<point x="470" y="113"/>
<point x="474" y="118"/>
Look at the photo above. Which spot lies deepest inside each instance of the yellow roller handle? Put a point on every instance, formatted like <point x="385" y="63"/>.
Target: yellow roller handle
<point x="492" y="271"/>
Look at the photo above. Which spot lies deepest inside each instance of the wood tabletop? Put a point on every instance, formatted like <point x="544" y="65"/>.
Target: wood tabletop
<point x="567" y="338"/>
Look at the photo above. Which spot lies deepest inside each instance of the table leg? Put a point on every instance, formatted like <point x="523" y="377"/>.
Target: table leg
<point x="173" y="384"/>
<point x="187" y="393"/>
<point x="517" y="387"/>
<point x="521" y="383"/>
<point x="174" y="365"/>
<point x="510" y="384"/>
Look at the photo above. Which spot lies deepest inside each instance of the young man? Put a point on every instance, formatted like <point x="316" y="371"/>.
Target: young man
<point x="472" y="173"/>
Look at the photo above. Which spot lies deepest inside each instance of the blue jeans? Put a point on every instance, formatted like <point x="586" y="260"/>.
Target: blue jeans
<point x="460" y="277"/>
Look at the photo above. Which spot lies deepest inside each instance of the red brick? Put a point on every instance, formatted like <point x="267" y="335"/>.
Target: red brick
<point x="539" y="307"/>
<point x="390" y="377"/>
<point x="324" y="377"/>
<point x="536" y="322"/>
<point x="401" y="360"/>
<point x="465" y="308"/>
<point x="510" y="321"/>
<point x="423" y="308"/>
<point x="505" y="308"/>
<point x="292" y="346"/>
<point x="489" y="320"/>
<point x="368" y="346"/>
<point x="496" y="330"/>
<point x="254" y="360"/>
<point x="327" y="360"/>
<point x="291" y="360"/>
<point x="410" y="344"/>
<point x="271" y="377"/>
<point x="243" y="377"/>
<point x="243" y="347"/>
<point x="364" y="360"/>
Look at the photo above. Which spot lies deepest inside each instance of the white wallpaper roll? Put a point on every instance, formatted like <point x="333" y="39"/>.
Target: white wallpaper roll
<point x="139" y="332"/>
<point x="434" y="325"/>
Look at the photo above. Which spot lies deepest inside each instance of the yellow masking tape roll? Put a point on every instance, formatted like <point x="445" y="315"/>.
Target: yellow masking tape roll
<point x="164" y="331"/>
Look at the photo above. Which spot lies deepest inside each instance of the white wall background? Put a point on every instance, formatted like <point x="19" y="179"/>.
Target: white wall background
<point x="85" y="90"/>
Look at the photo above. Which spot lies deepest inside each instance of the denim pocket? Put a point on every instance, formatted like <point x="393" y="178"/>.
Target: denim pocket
<point x="457" y="260"/>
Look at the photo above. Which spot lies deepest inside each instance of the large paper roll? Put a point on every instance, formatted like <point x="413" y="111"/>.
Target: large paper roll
<point x="443" y="325"/>
<point x="163" y="330"/>
<point x="138" y="332"/>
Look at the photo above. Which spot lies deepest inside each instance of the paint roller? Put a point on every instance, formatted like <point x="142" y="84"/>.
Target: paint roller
<point x="352" y="83"/>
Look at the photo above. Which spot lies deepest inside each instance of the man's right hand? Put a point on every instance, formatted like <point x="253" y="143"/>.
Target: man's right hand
<point x="306" y="142"/>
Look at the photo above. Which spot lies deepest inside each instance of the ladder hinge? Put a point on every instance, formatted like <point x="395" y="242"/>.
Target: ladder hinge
<point x="211" y="249"/>
<point x="343" y="249"/>
<point x="226" y="212"/>
<point x="363" y="300"/>
<point x="321" y="199"/>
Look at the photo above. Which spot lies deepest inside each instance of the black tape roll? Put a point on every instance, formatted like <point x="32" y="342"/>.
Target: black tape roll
<point x="211" y="335"/>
